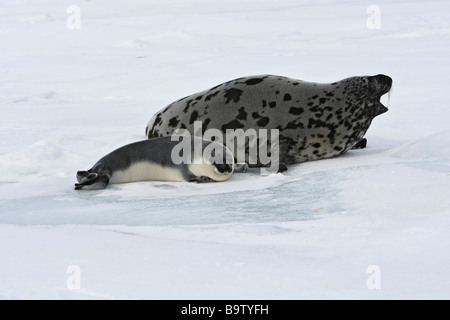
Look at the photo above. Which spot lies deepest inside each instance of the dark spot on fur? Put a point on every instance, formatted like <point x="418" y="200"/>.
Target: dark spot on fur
<point x="212" y="95"/>
<point x="194" y="116"/>
<point x="157" y="120"/>
<point x="293" y="125"/>
<point x="264" y="103"/>
<point x="255" y="115"/>
<point x="173" y="122"/>
<point x="253" y="81"/>
<point x="296" y="111"/>
<point x="188" y="104"/>
<point x="337" y="148"/>
<point x="313" y="123"/>
<point x="242" y="114"/>
<point x="233" y="94"/>
<point x="315" y="109"/>
<point x="263" y="121"/>
<point x="348" y="124"/>
<point x="322" y="100"/>
<point x="316" y="145"/>
<point x="287" y="97"/>
<point x="205" y="124"/>
<point x="234" y="124"/>
<point x="272" y="104"/>
<point x="317" y="123"/>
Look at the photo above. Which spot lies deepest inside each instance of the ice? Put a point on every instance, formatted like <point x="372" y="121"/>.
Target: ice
<point x="68" y="97"/>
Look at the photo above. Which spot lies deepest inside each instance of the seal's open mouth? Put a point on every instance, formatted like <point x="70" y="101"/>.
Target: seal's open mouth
<point x="381" y="84"/>
<point x="381" y="107"/>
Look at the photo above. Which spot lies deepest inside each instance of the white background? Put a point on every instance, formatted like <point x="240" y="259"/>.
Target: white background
<point x="69" y="96"/>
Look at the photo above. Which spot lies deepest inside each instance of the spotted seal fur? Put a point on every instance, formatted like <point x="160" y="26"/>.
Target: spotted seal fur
<point x="315" y="120"/>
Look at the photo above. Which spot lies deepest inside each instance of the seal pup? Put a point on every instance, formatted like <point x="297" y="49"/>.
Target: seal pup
<point x="162" y="159"/>
<point x="315" y="120"/>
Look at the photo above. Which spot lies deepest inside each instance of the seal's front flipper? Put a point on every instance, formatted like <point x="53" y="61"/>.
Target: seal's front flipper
<point x="282" y="168"/>
<point x="285" y="145"/>
<point x="279" y="150"/>
<point x="204" y="179"/>
<point x="240" y="167"/>
<point x="91" y="181"/>
<point x="361" y="144"/>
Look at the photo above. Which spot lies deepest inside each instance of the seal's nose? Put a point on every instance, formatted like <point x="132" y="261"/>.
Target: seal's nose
<point x="381" y="83"/>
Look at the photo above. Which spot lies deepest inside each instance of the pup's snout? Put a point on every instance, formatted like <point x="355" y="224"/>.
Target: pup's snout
<point x="224" y="168"/>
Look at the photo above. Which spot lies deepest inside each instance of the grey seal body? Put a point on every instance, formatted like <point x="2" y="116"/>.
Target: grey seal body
<point x="154" y="160"/>
<point x="315" y="120"/>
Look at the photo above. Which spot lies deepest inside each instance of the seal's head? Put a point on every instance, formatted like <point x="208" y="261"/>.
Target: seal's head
<point x="222" y="159"/>
<point x="216" y="161"/>
<point x="368" y="90"/>
<point x="378" y="86"/>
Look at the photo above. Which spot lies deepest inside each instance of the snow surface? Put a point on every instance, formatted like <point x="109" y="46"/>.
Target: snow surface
<point x="68" y="97"/>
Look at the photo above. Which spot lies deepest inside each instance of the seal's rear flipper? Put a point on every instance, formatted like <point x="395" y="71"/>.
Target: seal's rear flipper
<point x="91" y="181"/>
<point x="361" y="144"/>
<point x="204" y="179"/>
<point x="83" y="176"/>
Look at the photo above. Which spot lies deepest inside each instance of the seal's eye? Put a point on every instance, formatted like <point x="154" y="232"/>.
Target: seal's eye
<point x="365" y="82"/>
